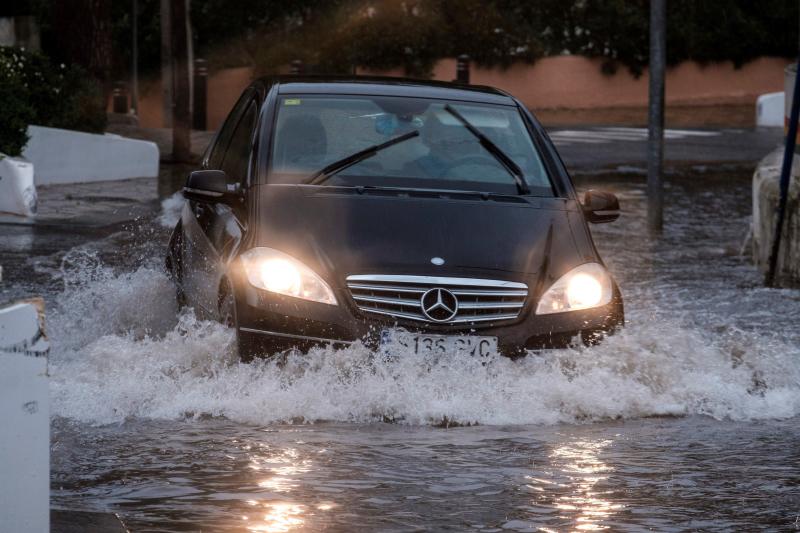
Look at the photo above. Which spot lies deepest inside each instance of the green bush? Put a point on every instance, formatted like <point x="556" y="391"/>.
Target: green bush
<point x="34" y="91"/>
<point x="393" y="34"/>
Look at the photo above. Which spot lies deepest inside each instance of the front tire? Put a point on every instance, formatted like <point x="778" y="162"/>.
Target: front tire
<point x="228" y="317"/>
<point x="174" y="266"/>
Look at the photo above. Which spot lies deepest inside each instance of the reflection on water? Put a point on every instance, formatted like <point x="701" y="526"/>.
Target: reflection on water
<point x="671" y="474"/>
<point x="581" y="500"/>
<point x="282" y="469"/>
<point x="279" y="518"/>
<point x="573" y="481"/>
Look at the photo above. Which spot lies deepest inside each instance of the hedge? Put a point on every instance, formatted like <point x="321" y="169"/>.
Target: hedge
<point x="336" y="35"/>
<point x="414" y="34"/>
<point x="35" y="91"/>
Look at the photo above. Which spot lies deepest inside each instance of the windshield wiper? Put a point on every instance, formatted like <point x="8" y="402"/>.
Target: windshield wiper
<point x="346" y="162"/>
<point x="493" y="149"/>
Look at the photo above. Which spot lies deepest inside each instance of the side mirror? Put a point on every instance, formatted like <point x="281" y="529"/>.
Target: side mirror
<point x="600" y="207"/>
<point x="208" y="186"/>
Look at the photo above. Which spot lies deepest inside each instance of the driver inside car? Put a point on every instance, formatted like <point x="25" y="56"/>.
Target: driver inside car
<point x="445" y="147"/>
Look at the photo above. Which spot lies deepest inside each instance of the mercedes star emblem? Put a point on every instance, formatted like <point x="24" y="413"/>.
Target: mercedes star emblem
<point x="439" y="305"/>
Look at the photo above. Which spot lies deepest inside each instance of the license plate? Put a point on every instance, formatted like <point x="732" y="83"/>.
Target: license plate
<point x="423" y="343"/>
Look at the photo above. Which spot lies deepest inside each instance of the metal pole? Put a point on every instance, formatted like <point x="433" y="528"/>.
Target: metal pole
<point x="190" y="54"/>
<point x="181" y="112"/>
<point x="655" y="137"/>
<point x="135" y="66"/>
<point x="166" y="63"/>
<point x="200" y="94"/>
<point x="296" y="67"/>
<point x="786" y="174"/>
<point x="119" y="98"/>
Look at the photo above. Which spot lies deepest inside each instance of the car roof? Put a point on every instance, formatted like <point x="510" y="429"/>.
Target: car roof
<point x="386" y="86"/>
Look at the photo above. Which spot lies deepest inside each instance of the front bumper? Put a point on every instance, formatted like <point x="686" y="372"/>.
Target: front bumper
<point x="277" y="322"/>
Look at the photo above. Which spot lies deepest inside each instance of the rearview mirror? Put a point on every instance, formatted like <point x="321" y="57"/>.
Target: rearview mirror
<point x="600" y="207"/>
<point x="207" y="186"/>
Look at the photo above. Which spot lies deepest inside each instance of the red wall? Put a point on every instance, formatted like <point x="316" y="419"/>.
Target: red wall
<point x="568" y="82"/>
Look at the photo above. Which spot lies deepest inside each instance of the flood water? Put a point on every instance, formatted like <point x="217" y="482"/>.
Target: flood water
<point x="687" y="420"/>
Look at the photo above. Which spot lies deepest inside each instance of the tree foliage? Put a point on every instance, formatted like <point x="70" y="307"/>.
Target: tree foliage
<point x="33" y="90"/>
<point x="413" y="34"/>
<point x="337" y="35"/>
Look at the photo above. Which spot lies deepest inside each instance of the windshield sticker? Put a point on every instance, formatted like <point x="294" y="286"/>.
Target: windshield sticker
<point x="292" y="101"/>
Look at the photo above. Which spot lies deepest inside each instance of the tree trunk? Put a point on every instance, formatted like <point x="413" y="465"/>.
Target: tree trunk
<point x="84" y="37"/>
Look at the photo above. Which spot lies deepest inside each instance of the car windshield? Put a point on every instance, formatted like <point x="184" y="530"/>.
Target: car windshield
<point x="312" y="132"/>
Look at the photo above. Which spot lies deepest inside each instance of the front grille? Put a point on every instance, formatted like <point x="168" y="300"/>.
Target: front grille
<point x="478" y="300"/>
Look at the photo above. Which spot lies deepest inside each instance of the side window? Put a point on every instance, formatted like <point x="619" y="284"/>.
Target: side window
<point x="226" y="132"/>
<point x="237" y="156"/>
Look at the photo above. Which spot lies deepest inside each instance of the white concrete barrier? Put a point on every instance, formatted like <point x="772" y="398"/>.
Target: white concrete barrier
<point x="65" y="156"/>
<point x="766" y="192"/>
<point x="24" y="420"/>
<point x="17" y="191"/>
<point x="769" y="110"/>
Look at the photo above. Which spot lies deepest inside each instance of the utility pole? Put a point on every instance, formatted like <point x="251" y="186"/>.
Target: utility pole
<point x="166" y="63"/>
<point x="135" y="61"/>
<point x="655" y="133"/>
<point x="181" y="112"/>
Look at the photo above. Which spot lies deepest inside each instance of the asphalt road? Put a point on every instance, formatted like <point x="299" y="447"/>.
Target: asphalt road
<point x="603" y="149"/>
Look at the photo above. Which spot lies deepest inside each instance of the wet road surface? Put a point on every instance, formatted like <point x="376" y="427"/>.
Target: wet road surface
<point x="688" y="420"/>
<point x="603" y="148"/>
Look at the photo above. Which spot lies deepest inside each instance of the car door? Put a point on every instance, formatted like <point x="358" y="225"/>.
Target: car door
<point x="213" y="229"/>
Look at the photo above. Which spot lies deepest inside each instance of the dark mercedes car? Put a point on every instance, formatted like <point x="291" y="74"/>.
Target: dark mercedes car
<point x="406" y="215"/>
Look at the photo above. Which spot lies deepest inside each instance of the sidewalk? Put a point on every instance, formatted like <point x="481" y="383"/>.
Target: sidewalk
<point x="599" y="149"/>
<point x="676" y="116"/>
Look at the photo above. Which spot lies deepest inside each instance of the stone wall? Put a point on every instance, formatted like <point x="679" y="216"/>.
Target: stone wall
<point x="561" y="82"/>
<point x="224" y="88"/>
<point x="577" y="82"/>
<point x="765" y="203"/>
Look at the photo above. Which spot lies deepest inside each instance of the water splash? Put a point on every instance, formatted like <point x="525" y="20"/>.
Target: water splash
<point x="96" y="301"/>
<point x="171" y="210"/>
<point x="120" y="353"/>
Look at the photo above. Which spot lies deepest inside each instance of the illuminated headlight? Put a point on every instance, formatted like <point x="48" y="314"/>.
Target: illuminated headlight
<point x="584" y="287"/>
<point x="275" y="271"/>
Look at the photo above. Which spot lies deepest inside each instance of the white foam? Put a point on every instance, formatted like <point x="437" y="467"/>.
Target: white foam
<point x="97" y="301"/>
<point x="118" y="352"/>
<point x="171" y="210"/>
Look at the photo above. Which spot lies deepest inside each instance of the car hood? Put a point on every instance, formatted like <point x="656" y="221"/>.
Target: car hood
<point x="340" y="231"/>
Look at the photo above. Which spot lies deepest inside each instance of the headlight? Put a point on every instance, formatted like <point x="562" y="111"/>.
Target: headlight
<point x="278" y="272"/>
<point x="586" y="286"/>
